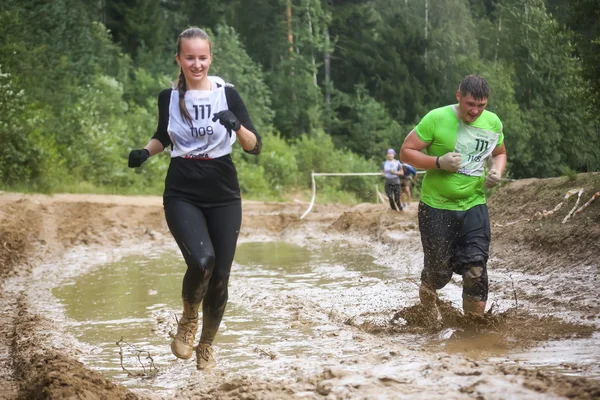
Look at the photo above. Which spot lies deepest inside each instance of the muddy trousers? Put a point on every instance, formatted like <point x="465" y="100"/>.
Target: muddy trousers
<point x="207" y="238"/>
<point x="456" y="242"/>
<point x="392" y="190"/>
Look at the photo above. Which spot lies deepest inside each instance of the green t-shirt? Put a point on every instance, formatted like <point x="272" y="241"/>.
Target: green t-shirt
<point x="476" y="141"/>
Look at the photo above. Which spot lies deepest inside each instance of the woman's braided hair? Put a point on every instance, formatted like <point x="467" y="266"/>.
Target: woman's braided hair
<point x="190" y="33"/>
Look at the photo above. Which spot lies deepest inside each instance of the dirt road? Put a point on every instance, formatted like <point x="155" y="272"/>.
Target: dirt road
<point x="544" y="286"/>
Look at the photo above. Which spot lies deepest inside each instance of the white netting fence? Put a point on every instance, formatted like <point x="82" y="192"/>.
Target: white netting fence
<point x="378" y="193"/>
<point x="314" y="185"/>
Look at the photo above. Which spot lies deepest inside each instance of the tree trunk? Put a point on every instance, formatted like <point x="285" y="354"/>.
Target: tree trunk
<point x="312" y="54"/>
<point x="426" y="25"/>
<point x="327" y="66"/>
<point x="289" y="26"/>
<point x="290" y="32"/>
<point x="498" y="39"/>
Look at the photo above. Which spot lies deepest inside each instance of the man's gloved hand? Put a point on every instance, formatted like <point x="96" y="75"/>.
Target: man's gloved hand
<point x="449" y="162"/>
<point x="492" y="178"/>
<point x="137" y="157"/>
<point x="228" y="120"/>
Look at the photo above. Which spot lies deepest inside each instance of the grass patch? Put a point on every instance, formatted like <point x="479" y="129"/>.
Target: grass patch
<point x="568" y="172"/>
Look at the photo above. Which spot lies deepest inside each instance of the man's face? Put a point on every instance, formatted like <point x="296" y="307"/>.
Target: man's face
<point x="470" y="109"/>
<point x="390" y="156"/>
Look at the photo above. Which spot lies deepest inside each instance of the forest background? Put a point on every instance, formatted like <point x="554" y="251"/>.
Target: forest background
<point x="329" y="84"/>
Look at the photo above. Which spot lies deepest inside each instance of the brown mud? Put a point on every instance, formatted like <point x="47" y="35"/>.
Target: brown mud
<point x="556" y="267"/>
<point x="546" y="247"/>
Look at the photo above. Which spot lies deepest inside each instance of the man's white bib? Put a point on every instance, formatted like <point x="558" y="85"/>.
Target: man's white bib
<point x="475" y="146"/>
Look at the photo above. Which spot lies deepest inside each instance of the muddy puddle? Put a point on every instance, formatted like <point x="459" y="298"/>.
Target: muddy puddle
<point x="293" y="311"/>
<point x="280" y="295"/>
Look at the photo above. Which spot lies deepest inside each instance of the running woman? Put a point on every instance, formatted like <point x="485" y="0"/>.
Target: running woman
<point x="391" y="170"/>
<point x="453" y="218"/>
<point x="201" y="199"/>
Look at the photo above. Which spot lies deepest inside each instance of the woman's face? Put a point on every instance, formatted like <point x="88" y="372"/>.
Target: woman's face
<point x="194" y="58"/>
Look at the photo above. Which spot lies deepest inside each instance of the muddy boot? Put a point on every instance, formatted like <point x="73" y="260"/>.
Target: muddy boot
<point x="182" y="344"/>
<point x="204" y="356"/>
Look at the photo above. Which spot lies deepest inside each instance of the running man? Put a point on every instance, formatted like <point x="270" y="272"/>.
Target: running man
<point x="406" y="181"/>
<point x="457" y="140"/>
<point x="391" y="170"/>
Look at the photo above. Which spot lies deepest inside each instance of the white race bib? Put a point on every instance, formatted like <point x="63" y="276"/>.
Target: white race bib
<point x="202" y="138"/>
<point x="475" y="146"/>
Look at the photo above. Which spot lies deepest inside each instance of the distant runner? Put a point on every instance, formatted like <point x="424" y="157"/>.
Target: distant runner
<point x="453" y="216"/>
<point x="391" y="170"/>
<point x="406" y="181"/>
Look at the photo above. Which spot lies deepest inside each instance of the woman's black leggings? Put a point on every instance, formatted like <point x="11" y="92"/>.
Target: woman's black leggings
<point x="392" y="190"/>
<point x="207" y="238"/>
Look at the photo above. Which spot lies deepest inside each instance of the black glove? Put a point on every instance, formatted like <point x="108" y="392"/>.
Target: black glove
<point x="228" y="120"/>
<point x="137" y="157"/>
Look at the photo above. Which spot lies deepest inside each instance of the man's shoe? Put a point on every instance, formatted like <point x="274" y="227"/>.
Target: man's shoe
<point x="204" y="356"/>
<point x="182" y="344"/>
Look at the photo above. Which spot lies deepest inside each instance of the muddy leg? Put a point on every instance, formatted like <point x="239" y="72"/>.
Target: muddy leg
<point x="195" y="284"/>
<point x="224" y="225"/>
<point x="477" y="307"/>
<point x="182" y="344"/>
<point x="188" y="226"/>
<point x="428" y="297"/>
<point x="190" y="310"/>
<point x="408" y="194"/>
<point x="475" y="289"/>
<point x="213" y="308"/>
<point x="398" y="203"/>
<point x="390" y="194"/>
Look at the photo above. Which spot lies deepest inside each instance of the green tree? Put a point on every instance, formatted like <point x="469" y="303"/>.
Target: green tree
<point x="382" y="50"/>
<point x="582" y="17"/>
<point x="363" y="125"/>
<point x="452" y="48"/>
<point x="232" y="63"/>
<point x="54" y="46"/>
<point x="549" y="88"/>
<point x="516" y="127"/>
<point x="138" y="26"/>
<point x="28" y="157"/>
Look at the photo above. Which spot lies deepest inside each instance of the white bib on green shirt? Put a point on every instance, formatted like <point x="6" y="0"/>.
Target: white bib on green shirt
<point x="475" y="146"/>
